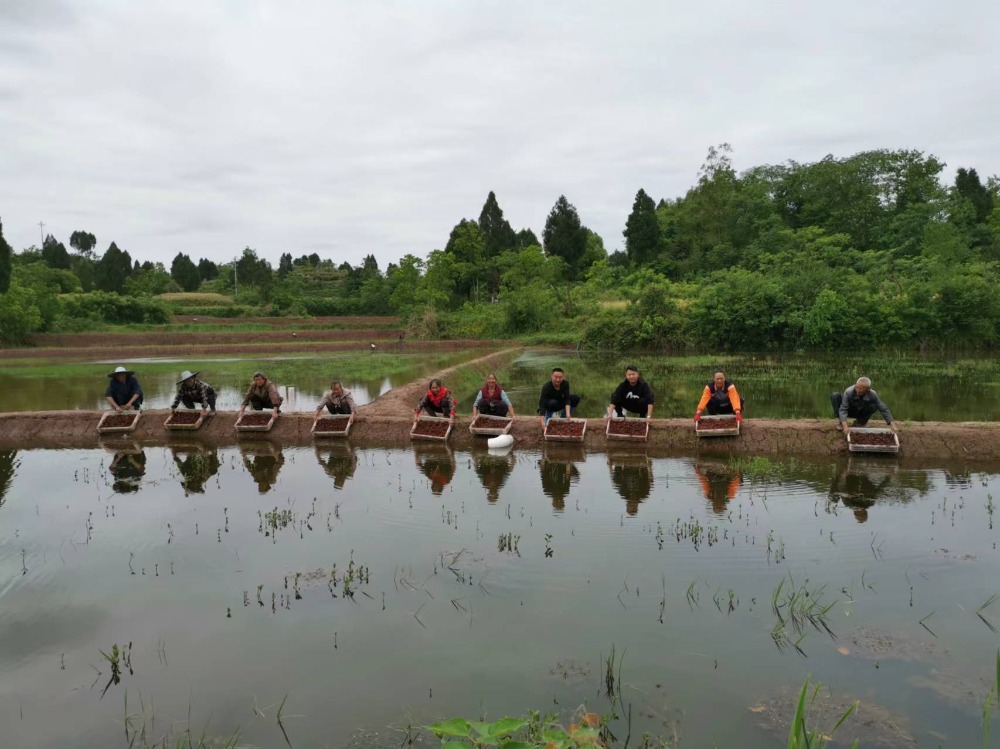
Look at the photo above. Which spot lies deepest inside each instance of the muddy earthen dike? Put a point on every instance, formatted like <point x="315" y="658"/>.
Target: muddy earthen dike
<point x="78" y="429"/>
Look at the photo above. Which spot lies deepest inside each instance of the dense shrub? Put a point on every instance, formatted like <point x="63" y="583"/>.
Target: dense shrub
<point x="19" y="315"/>
<point x="115" y="308"/>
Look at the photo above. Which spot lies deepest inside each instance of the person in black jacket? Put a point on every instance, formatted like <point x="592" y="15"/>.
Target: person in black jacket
<point x="556" y="397"/>
<point x="633" y="395"/>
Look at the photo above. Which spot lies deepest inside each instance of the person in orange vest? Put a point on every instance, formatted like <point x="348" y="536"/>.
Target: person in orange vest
<point x="720" y="397"/>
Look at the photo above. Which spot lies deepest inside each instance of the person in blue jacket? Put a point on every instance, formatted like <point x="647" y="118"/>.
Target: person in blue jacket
<point x="124" y="392"/>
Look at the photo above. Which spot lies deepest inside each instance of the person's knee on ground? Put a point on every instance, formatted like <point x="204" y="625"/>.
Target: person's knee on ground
<point x="836" y="399"/>
<point x="715" y="409"/>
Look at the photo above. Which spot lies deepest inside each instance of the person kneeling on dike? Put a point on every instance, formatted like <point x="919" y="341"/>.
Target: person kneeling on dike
<point x="859" y="402"/>
<point x="262" y="394"/>
<point x="720" y="398"/>
<point x="124" y="392"/>
<point x="437" y="401"/>
<point x="556" y="397"/>
<point x="633" y="394"/>
<point x="336" y="400"/>
<point x="492" y="400"/>
<point x="192" y="390"/>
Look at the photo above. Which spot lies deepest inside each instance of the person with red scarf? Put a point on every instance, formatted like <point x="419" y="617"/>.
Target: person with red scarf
<point x="492" y="400"/>
<point x="438" y="401"/>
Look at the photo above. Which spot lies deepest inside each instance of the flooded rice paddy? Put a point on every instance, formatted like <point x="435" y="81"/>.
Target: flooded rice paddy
<point x="359" y="592"/>
<point x="953" y="388"/>
<point x="301" y="380"/>
<point x="788" y="386"/>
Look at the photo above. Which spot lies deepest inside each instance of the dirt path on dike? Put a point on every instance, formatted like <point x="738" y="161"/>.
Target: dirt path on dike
<point x="400" y="401"/>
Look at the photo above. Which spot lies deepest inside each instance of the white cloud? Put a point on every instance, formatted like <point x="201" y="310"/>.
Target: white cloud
<point x="349" y="128"/>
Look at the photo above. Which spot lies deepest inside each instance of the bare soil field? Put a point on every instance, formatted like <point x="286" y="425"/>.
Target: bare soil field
<point x="286" y="322"/>
<point x="238" y="345"/>
<point x="170" y="338"/>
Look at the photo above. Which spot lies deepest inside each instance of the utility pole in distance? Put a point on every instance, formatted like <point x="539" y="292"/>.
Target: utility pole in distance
<point x="41" y="232"/>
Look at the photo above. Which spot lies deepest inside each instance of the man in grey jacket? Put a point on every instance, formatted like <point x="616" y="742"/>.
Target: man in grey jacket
<point x="859" y="402"/>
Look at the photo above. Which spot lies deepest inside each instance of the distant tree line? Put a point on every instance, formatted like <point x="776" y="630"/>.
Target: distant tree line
<point x="860" y="251"/>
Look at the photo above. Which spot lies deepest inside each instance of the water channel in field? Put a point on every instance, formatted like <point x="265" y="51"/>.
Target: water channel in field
<point x="374" y="589"/>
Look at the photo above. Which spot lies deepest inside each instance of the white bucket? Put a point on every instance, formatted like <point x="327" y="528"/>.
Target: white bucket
<point x="500" y="441"/>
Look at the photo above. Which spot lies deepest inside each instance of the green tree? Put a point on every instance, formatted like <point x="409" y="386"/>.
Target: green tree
<point x="467" y="246"/>
<point x="565" y="237"/>
<point x="642" y="230"/>
<point x="967" y="185"/>
<point x="6" y="255"/>
<point x="54" y="253"/>
<point x="497" y="233"/>
<point x="83" y="242"/>
<point x="254" y="273"/>
<point x="527" y="238"/>
<point x="285" y="265"/>
<point x="437" y="287"/>
<point x="207" y="269"/>
<point x="403" y="284"/>
<point x="112" y="269"/>
<point x="19" y="315"/>
<point x="185" y="272"/>
<point x="151" y="279"/>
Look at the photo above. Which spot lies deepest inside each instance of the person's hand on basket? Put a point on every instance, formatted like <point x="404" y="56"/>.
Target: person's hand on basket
<point x="697" y="416"/>
<point x="739" y="417"/>
<point x="893" y="427"/>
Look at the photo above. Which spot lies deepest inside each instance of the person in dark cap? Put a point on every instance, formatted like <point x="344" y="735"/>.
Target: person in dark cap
<point x="262" y="394"/>
<point x="192" y="390"/>
<point x="124" y="392"/>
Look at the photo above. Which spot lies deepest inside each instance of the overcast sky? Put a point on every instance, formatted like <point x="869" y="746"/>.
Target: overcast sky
<point x="348" y="128"/>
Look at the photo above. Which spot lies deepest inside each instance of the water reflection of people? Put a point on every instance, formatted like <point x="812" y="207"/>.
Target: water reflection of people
<point x="339" y="461"/>
<point x="8" y="467"/>
<point x="858" y="483"/>
<point x="559" y="471"/>
<point x="437" y="463"/>
<point x="128" y="466"/>
<point x="264" y="461"/>
<point x="493" y="470"/>
<point x="632" y="476"/>
<point x="720" y="483"/>
<point x="197" y="464"/>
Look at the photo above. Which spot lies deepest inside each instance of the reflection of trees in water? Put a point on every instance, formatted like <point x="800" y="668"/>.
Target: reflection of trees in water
<point x="340" y="463"/>
<point x="437" y="463"/>
<point x="720" y="482"/>
<point x="128" y="467"/>
<point x="197" y="466"/>
<point x="264" y="464"/>
<point x="559" y="472"/>
<point x="493" y="471"/>
<point x="8" y="467"/>
<point x="632" y="476"/>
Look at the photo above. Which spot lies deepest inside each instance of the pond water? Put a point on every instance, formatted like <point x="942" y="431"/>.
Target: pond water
<point x="787" y="386"/>
<point x="301" y="380"/>
<point x="482" y="585"/>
